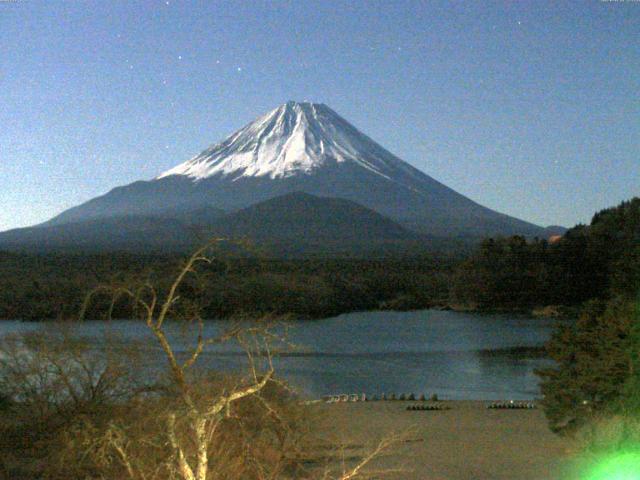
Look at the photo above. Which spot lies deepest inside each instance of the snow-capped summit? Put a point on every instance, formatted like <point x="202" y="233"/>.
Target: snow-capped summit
<point x="295" y="138"/>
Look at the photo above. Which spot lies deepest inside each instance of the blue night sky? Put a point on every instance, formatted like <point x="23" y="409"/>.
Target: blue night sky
<point x="530" y="108"/>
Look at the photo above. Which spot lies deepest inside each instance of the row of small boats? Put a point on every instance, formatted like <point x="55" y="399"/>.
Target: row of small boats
<point x="362" y="397"/>
<point x="432" y="405"/>
<point x="512" y="405"/>
<point x="428" y="407"/>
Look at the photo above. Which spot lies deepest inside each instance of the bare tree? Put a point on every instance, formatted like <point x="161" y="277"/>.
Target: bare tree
<point x="52" y="381"/>
<point x="193" y="431"/>
<point x="100" y="413"/>
<point x="51" y="373"/>
<point x="203" y="414"/>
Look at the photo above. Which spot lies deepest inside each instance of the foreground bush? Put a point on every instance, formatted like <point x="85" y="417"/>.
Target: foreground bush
<point x="83" y="411"/>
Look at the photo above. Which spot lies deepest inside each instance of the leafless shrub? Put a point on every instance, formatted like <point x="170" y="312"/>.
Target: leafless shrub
<point x="53" y="372"/>
<point x="50" y="380"/>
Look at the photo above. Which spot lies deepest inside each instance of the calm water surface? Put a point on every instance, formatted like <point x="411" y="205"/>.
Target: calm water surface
<point x="374" y="352"/>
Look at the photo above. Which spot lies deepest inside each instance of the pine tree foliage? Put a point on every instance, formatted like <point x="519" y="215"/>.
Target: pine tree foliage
<point x="595" y="359"/>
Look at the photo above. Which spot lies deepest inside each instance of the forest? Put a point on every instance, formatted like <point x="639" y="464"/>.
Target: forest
<point x="515" y="274"/>
<point x="36" y="287"/>
<point x="599" y="260"/>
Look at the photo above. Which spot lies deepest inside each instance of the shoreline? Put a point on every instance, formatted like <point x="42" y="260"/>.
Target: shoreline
<point x="561" y="312"/>
<point x="465" y="441"/>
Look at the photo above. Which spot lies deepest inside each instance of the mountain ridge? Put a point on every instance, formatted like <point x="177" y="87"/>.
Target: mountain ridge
<point x="293" y="222"/>
<point x="305" y="216"/>
<point x="309" y="148"/>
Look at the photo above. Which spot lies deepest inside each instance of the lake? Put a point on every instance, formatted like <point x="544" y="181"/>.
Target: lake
<point x="454" y="355"/>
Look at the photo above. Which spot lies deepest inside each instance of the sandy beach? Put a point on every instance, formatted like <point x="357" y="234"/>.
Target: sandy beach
<point x="467" y="442"/>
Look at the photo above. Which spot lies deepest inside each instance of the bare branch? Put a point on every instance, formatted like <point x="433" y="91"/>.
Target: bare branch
<point x="171" y="297"/>
<point x="183" y="466"/>
<point x="224" y="401"/>
<point x="382" y="446"/>
<point x="199" y="346"/>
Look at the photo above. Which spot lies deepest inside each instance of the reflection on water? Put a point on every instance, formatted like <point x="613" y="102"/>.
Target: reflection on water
<point x="456" y="355"/>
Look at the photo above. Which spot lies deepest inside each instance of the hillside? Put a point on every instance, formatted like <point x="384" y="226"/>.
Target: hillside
<point x="296" y="222"/>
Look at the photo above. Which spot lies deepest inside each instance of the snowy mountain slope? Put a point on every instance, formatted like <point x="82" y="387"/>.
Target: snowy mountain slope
<point x="293" y="139"/>
<point x="308" y="148"/>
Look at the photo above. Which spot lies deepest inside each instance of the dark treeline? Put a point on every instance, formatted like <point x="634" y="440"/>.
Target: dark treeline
<point x="594" y="389"/>
<point x="597" y="261"/>
<point x="34" y="287"/>
<point x="600" y="260"/>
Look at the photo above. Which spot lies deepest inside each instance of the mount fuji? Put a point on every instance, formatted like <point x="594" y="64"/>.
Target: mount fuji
<point x="304" y="147"/>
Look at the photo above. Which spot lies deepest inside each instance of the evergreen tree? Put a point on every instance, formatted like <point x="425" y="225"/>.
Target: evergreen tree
<point x="597" y="361"/>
